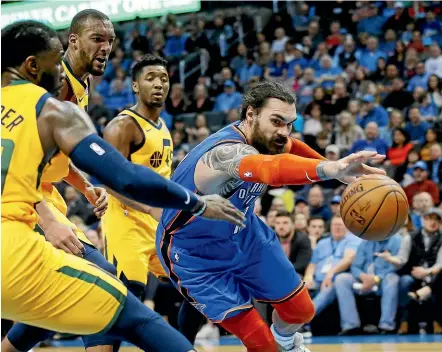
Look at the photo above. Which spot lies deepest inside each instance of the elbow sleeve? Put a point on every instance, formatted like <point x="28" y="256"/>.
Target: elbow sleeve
<point x="278" y="170"/>
<point x="98" y="158"/>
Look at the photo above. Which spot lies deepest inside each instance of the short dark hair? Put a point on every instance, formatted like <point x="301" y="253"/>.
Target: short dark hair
<point x="257" y="96"/>
<point x="81" y="17"/>
<point x="147" y="60"/>
<point x="284" y="213"/>
<point x="22" y="39"/>
<point x="315" y="217"/>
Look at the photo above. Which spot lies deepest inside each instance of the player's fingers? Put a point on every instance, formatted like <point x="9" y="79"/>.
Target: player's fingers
<point x="74" y="249"/>
<point x="100" y="207"/>
<point x="234" y="220"/>
<point x="64" y="248"/>
<point x="102" y="195"/>
<point x="99" y="214"/>
<point x="236" y="213"/>
<point x="373" y="170"/>
<point x="77" y="243"/>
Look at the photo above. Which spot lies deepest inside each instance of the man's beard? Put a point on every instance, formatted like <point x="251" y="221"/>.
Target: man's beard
<point x="90" y="64"/>
<point x="47" y="82"/>
<point x="285" y="236"/>
<point x="264" y="146"/>
<point x="155" y="104"/>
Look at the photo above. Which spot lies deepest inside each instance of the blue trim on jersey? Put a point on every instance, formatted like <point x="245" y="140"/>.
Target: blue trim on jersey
<point x="201" y="231"/>
<point x="41" y="102"/>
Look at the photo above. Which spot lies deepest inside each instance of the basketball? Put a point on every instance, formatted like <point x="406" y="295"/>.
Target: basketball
<point x="374" y="207"/>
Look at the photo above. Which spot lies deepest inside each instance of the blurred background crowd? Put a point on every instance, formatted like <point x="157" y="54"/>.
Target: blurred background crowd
<point x="367" y="76"/>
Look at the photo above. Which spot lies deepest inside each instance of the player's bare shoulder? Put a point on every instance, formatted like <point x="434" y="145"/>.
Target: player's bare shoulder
<point x="63" y="124"/>
<point x="227" y="157"/>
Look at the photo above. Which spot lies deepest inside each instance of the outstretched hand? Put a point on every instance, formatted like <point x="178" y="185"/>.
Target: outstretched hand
<point x="349" y="168"/>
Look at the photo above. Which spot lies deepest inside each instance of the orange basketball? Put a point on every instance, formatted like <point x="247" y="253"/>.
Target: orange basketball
<point x="374" y="207"/>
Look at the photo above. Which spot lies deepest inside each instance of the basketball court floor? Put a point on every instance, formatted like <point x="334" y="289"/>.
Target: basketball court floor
<point x="393" y="343"/>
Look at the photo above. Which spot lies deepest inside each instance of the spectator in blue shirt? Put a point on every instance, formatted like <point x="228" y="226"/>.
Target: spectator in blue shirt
<point x="327" y="74"/>
<point x="372" y="24"/>
<point x="250" y="70"/>
<point x="427" y="108"/>
<point x="299" y="59"/>
<point x="278" y="68"/>
<point x="389" y="44"/>
<point x="372" y="141"/>
<point x="119" y="97"/>
<point x="316" y="203"/>
<point x="302" y="19"/>
<point x="306" y="85"/>
<point x="228" y="100"/>
<point x="176" y="43"/>
<point x="332" y="255"/>
<point x="369" y="56"/>
<point x="420" y="79"/>
<point x="240" y="60"/>
<point x="373" y="113"/>
<point x="369" y="274"/>
<point x="431" y="26"/>
<point x="416" y="127"/>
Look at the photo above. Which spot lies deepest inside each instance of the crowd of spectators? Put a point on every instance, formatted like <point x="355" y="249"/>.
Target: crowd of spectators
<point x="367" y="76"/>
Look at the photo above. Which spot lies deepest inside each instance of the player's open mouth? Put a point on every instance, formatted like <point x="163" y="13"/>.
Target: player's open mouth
<point x="101" y="60"/>
<point x="279" y="144"/>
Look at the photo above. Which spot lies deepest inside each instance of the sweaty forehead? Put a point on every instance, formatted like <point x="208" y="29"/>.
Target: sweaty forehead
<point x="95" y="25"/>
<point x="278" y="107"/>
<point x="154" y="69"/>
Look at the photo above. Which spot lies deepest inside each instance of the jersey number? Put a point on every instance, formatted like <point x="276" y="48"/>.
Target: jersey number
<point x="7" y="149"/>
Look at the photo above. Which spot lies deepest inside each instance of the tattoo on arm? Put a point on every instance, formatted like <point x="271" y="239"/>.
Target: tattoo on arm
<point x="227" y="157"/>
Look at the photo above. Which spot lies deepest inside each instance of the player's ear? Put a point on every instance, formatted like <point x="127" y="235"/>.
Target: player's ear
<point x="135" y="87"/>
<point x="250" y="113"/>
<point x="32" y="66"/>
<point x="73" y="40"/>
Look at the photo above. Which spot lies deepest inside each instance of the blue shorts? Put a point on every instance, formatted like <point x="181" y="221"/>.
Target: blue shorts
<point x="220" y="278"/>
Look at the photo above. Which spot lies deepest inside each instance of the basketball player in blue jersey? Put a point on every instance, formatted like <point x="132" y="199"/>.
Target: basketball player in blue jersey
<point x="219" y="267"/>
<point x="47" y="46"/>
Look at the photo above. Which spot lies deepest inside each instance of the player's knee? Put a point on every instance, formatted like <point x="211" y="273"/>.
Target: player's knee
<point x="7" y="346"/>
<point x="298" y="309"/>
<point x="251" y="329"/>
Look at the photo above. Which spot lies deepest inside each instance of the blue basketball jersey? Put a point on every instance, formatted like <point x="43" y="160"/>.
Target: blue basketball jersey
<point x="216" y="266"/>
<point x="198" y="231"/>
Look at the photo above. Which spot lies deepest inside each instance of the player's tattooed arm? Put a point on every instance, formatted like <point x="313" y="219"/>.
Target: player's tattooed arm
<point x="218" y="169"/>
<point x="227" y="157"/>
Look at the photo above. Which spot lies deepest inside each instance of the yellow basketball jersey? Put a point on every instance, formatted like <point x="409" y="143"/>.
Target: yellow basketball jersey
<point x="79" y="87"/>
<point x="129" y="233"/>
<point x="78" y="94"/>
<point x="22" y="154"/>
<point x="156" y="150"/>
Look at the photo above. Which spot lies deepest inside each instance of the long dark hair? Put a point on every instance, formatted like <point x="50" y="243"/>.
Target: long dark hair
<point x="404" y="133"/>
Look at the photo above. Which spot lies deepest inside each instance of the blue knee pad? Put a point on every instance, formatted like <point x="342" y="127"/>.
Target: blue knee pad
<point x="24" y="337"/>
